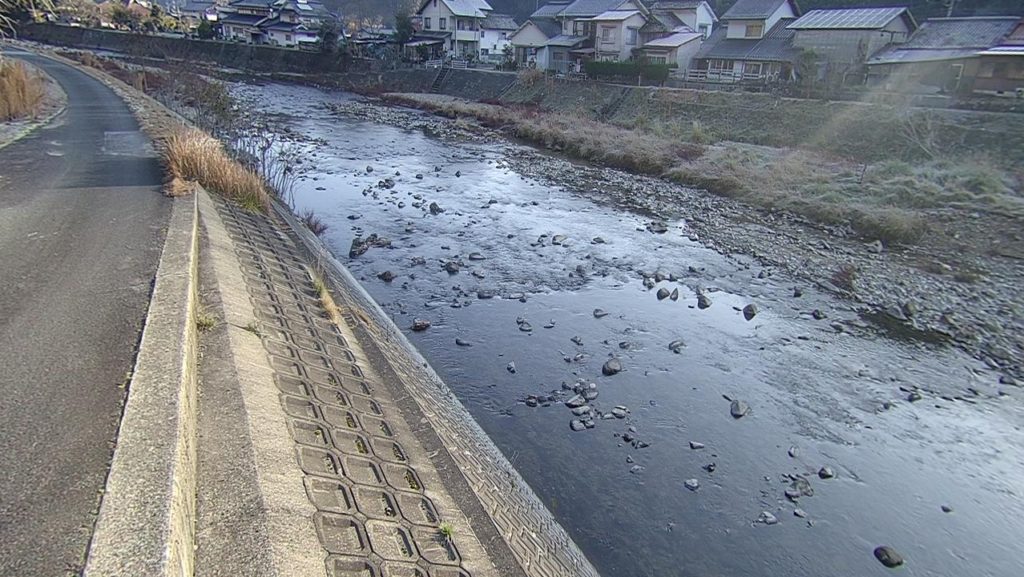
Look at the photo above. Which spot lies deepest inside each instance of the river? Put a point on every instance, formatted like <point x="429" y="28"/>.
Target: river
<point x="938" y="479"/>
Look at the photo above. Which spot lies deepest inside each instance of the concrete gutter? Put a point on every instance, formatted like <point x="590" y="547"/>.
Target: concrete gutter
<point x="146" y="524"/>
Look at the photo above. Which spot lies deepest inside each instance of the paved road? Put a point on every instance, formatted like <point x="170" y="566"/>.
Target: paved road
<point x="81" y="227"/>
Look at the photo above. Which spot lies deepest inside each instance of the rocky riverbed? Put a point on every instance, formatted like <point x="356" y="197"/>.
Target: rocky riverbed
<point x="672" y="373"/>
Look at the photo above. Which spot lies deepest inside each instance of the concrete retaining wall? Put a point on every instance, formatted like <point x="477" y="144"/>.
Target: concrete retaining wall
<point x="230" y="54"/>
<point x="477" y="84"/>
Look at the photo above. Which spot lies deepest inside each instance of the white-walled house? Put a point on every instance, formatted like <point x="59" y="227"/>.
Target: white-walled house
<point x="495" y="33"/>
<point x="751" y="43"/>
<point x="617" y="34"/>
<point x="695" y="14"/>
<point x="458" y="22"/>
<point x="530" y="40"/>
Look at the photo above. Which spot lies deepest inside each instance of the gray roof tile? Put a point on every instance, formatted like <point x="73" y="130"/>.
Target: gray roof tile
<point x="753" y="9"/>
<point x="776" y="46"/>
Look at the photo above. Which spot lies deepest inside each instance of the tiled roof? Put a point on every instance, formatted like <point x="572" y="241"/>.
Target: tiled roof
<point x="673" y="4"/>
<point x="589" y="8"/>
<point x="251" y="4"/>
<point x="241" y="19"/>
<point x="753" y="9"/>
<point x="615" y="15"/>
<point x="550" y="10"/>
<point x="776" y="46"/>
<point x="550" y="28"/>
<point x="848" y="19"/>
<point x="499" y="22"/>
<point x="949" y="39"/>
<point x="674" y="40"/>
<point x="566" y="40"/>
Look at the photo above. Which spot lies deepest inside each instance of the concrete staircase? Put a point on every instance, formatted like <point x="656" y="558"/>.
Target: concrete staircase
<point x="439" y="80"/>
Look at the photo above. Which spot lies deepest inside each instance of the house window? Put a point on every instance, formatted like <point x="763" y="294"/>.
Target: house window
<point x="753" y="69"/>
<point x="483" y="33"/>
<point x="632" y="34"/>
<point x="483" y="52"/>
<point x="656" y="59"/>
<point x="703" y="29"/>
<point x="442" y="23"/>
<point x="606" y="34"/>
<point x="720" y="66"/>
<point x="426" y="22"/>
<point x="460" y="24"/>
<point x="754" y="30"/>
<point x="287" y="37"/>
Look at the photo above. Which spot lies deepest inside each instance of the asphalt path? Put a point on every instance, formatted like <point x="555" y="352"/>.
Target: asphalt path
<point x="82" y="223"/>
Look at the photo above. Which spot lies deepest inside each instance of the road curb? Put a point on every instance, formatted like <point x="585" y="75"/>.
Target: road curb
<point x="146" y="524"/>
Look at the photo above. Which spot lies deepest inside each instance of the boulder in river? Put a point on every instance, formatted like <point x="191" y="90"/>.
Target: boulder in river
<point x="511" y="367"/>
<point x="662" y="293"/>
<point x="691" y="484"/>
<point x="738" y="409"/>
<point x="451" y="266"/>
<point x="676" y="346"/>
<point x="703" y="301"/>
<point x="386" y="276"/>
<point x="420" y="325"/>
<point x="463" y="342"/>
<point x="577" y="425"/>
<point x="696" y="445"/>
<point x="598" y="313"/>
<point x="435" y="208"/>
<point x="575" y="401"/>
<point x="657" y="227"/>
<point x="675" y="295"/>
<point x="767" y="518"/>
<point x="826" y="472"/>
<point x="611" y="367"/>
<point x="888" y="556"/>
<point x="750" y="311"/>
<point x="476" y="256"/>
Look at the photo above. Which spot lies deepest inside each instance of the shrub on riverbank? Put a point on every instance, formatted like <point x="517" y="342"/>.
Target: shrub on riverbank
<point x="21" y="92"/>
<point x="192" y="155"/>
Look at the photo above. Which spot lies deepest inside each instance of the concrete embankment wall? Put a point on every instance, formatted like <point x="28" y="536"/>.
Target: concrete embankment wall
<point x="229" y="54"/>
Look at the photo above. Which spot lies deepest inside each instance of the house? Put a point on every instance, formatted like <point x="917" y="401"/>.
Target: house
<point x="945" y="55"/>
<point x="495" y="31"/>
<point x="845" y="38"/>
<point x="192" y="12"/>
<point x="292" y="23"/>
<point x="529" y="41"/>
<point x="752" y="44"/>
<point x="676" y="49"/>
<point x="451" y="25"/>
<point x="668" y="15"/>
<point x="1001" y="68"/>
<point x="238" y="20"/>
<point x="617" y="34"/>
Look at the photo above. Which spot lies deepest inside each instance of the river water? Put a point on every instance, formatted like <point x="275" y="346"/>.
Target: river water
<point x="830" y="398"/>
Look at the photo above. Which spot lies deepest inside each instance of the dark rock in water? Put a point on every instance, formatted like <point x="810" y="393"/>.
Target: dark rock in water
<point x="558" y="239"/>
<point x="590" y="394"/>
<point x="888" y="556"/>
<point x="675" y="295"/>
<point x="386" y="276"/>
<point x="577" y="340"/>
<point x="354" y="216"/>
<point x="435" y="208"/>
<point x="485" y="294"/>
<point x="947" y="509"/>
<point x="597" y="240"/>
<point x="914" y="397"/>
<point x="511" y="367"/>
<point x="738" y="409"/>
<point x="659" y="276"/>
<point x="463" y="342"/>
<point x="476" y="256"/>
<point x="826" y="472"/>
<point x="798" y="292"/>
<point x="662" y="293"/>
<point x="676" y="346"/>
<point x="576" y="401"/>
<point x="800" y="512"/>
<point x="369" y="169"/>
<point x="710" y="467"/>
<point x="419" y="177"/>
<point x="611" y="367"/>
<point x="792" y="494"/>
<point x="649" y="283"/>
<point x="750" y="311"/>
<point x="598" y="313"/>
<point x="418" y="260"/>
<point x="550" y="324"/>
<point x="794" y="452"/>
<point x="525" y="327"/>
<point x="531" y="401"/>
<point x="636" y="469"/>
<point x="576" y="425"/>
<point x="696" y="445"/>
<point x="767" y="518"/>
<point x="420" y="325"/>
<point x="458" y="173"/>
<point x="619" y="412"/>
<point x="657" y="227"/>
<point x="818" y="315"/>
<point x="451" y="266"/>
<point x="703" y="301"/>
<point x="691" y="484"/>
<point x="361" y="245"/>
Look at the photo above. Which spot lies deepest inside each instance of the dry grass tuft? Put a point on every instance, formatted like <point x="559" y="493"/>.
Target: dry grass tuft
<point x="21" y="93"/>
<point x="193" y="155"/>
<point x="314" y="223"/>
